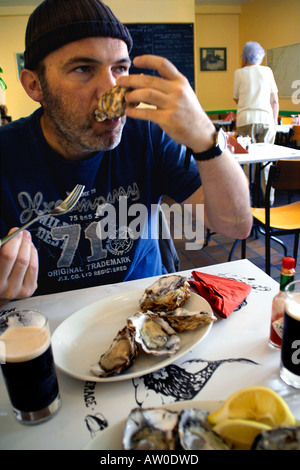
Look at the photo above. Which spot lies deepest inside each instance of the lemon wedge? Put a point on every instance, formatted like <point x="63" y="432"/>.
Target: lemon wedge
<point x="256" y="403"/>
<point x="240" y="433"/>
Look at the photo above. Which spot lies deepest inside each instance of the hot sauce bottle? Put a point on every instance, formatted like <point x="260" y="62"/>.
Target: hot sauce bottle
<point x="287" y="274"/>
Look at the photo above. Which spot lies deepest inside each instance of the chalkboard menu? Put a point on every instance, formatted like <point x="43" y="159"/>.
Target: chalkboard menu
<point x="175" y="41"/>
<point x="285" y="63"/>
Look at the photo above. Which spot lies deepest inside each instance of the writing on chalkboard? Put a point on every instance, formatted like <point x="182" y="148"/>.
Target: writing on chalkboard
<point x="175" y="41"/>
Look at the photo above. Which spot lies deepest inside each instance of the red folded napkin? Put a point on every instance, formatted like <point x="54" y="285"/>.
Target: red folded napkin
<point x="224" y="295"/>
<point x="230" y="116"/>
<point x="238" y="148"/>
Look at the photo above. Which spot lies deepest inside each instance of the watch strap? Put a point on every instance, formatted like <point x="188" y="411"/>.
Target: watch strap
<point x="202" y="156"/>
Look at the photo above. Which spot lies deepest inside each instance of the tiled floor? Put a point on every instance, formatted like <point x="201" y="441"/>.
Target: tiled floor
<point x="218" y="249"/>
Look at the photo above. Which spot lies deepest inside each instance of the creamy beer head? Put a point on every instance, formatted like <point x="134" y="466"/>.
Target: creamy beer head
<point x="23" y="343"/>
<point x="23" y="336"/>
<point x="292" y="305"/>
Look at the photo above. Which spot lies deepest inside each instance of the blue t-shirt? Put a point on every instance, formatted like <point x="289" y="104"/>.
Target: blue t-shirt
<point x="96" y="243"/>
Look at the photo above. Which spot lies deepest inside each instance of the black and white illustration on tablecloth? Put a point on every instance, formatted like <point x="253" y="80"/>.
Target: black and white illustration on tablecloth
<point x="172" y="383"/>
<point x="94" y="420"/>
<point x="175" y="383"/>
<point x="95" y="423"/>
<point x="251" y="281"/>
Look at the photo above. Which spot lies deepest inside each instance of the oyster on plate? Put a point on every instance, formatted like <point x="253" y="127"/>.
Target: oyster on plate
<point x="195" y="433"/>
<point x="120" y="355"/>
<point x="166" y="294"/>
<point x="154" y="334"/>
<point x="181" y="319"/>
<point x="281" y="438"/>
<point x="112" y="104"/>
<point x="150" y="429"/>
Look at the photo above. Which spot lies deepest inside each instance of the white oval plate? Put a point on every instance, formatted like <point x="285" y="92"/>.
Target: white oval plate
<point x="79" y="341"/>
<point x="112" y="437"/>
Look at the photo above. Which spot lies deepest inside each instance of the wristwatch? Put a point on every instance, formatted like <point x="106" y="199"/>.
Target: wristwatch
<point x="219" y="146"/>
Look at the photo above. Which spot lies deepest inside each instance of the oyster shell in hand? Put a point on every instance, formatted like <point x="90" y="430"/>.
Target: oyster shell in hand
<point x="154" y="335"/>
<point x="120" y="355"/>
<point x="112" y="104"/>
<point x="182" y="319"/>
<point x="167" y="293"/>
<point x="150" y="429"/>
<point x="195" y="433"/>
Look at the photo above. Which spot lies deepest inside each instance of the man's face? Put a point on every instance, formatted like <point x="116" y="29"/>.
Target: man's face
<point x="76" y="75"/>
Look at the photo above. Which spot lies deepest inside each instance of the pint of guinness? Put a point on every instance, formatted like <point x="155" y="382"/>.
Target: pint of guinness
<point x="27" y="365"/>
<point x="290" y="349"/>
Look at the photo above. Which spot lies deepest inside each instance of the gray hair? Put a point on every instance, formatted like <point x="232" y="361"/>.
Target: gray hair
<point x="253" y="53"/>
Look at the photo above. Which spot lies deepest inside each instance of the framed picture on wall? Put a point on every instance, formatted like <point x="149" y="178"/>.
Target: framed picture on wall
<point x="213" y="59"/>
<point x="20" y="62"/>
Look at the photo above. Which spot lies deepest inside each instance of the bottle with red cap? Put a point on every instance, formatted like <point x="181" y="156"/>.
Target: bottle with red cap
<point x="287" y="274"/>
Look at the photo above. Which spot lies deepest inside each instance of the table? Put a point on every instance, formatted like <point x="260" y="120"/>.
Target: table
<point x="234" y="354"/>
<point x="223" y="123"/>
<point x="284" y="128"/>
<point x="263" y="154"/>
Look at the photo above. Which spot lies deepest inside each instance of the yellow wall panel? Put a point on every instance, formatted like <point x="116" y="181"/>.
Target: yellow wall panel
<point x="214" y="89"/>
<point x="272" y="23"/>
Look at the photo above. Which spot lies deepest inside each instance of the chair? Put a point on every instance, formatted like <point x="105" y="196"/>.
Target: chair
<point x="167" y="248"/>
<point x="214" y="117"/>
<point x="282" y="220"/>
<point x="295" y="135"/>
<point x="286" y="119"/>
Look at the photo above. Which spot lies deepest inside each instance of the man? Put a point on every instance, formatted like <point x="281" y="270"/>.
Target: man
<point x="76" y="51"/>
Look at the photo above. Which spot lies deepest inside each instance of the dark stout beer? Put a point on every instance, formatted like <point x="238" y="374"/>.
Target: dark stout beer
<point x="290" y="350"/>
<point x="29" y="372"/>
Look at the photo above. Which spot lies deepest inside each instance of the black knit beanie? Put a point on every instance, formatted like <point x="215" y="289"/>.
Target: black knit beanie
<point x="55" y="23"/>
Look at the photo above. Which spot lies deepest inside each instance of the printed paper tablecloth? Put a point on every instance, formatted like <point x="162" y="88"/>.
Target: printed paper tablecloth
<point x="233" y="355"/>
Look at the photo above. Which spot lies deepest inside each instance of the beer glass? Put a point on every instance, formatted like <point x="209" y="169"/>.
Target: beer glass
<point x="27" y="365"/>
<point x="290" y="349"/>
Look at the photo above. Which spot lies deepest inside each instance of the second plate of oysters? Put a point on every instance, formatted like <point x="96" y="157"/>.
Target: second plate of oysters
<point x="127" y="336"/>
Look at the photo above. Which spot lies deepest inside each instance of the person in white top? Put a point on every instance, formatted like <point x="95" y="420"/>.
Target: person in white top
<point x="256" y="94"/>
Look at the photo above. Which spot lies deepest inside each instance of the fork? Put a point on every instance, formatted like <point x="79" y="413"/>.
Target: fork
<point x="64" y="207"/>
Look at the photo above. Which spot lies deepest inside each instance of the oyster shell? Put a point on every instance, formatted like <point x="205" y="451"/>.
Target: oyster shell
<point x="181" y="319"/>
<point x="150" y="429"/>
<point x="112" y="104"/>
<point x="166" y="294"/>
<point x="154" y="334"/>
<point x="194" y="432"/>
<point x="120" y="355"/>
<point x="281" y="438"/>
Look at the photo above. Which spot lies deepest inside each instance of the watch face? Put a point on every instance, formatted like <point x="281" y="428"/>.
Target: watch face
<point x="222" y="140"/>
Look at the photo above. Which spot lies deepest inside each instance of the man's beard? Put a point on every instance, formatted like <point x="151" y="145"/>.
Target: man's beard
<point x="73" y="130"/>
